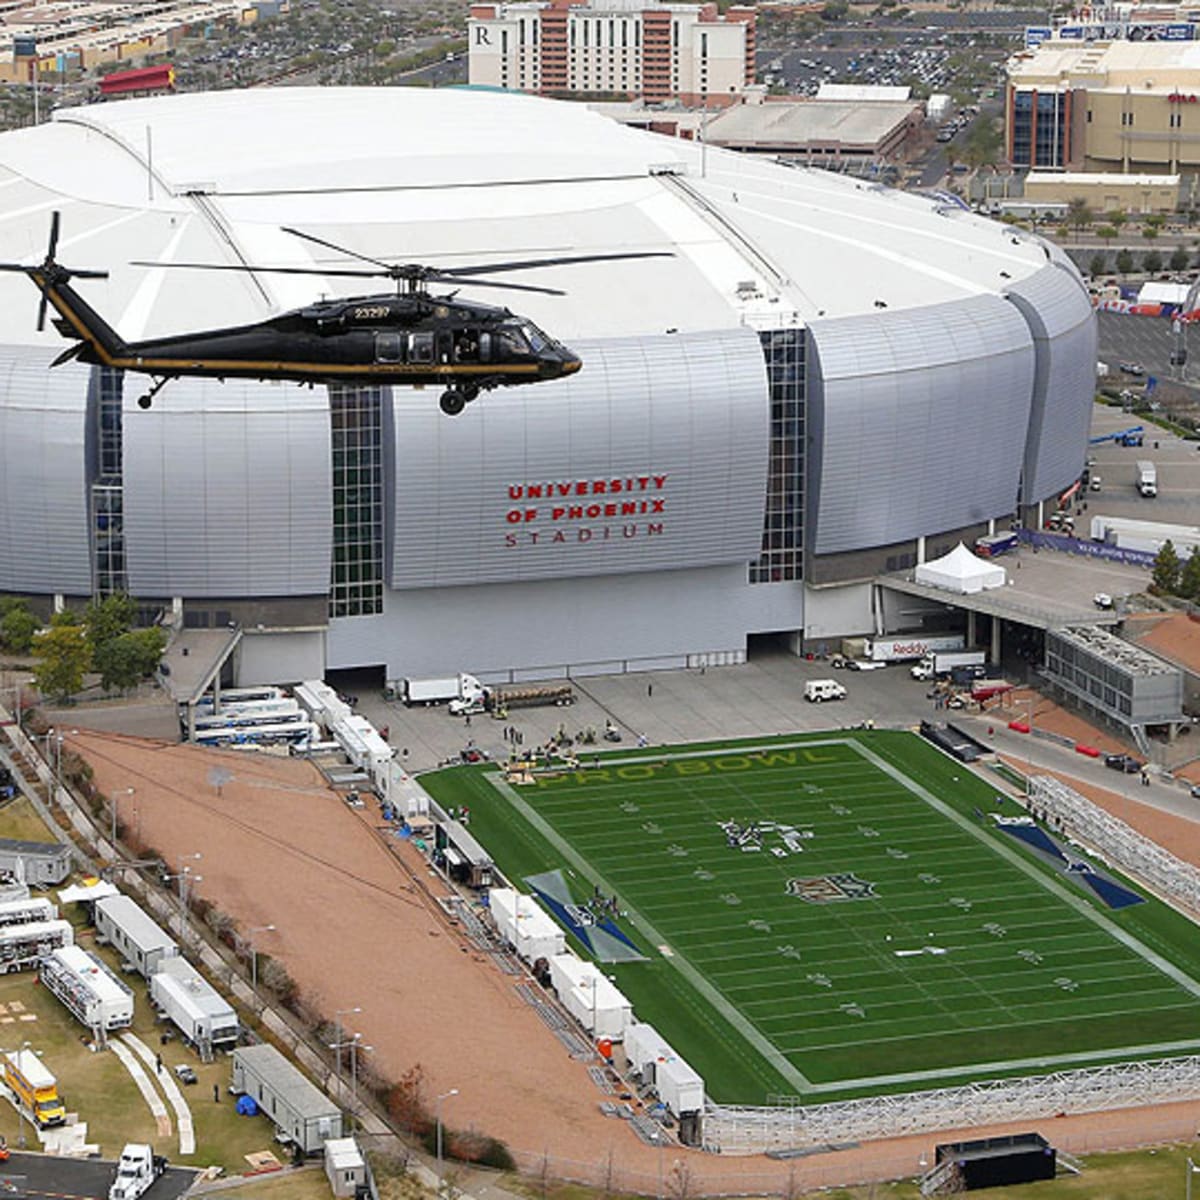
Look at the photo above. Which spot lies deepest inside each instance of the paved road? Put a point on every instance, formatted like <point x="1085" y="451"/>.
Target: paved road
<point x="48" y="1178"/>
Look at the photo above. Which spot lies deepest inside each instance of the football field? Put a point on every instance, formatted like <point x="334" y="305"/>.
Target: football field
<point x="839" y="915"/>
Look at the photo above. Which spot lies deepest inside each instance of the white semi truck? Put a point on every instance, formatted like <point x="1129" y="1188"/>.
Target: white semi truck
<point x="137" y="1169"/>
<point x="943" y="663"/>
<point x="1147" y="478"/>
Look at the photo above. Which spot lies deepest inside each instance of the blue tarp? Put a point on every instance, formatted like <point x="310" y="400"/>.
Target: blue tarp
<point x="246" y="1107"/>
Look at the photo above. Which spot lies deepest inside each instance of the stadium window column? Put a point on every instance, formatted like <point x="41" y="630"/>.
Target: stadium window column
<point x="105" y="399"/>
<point x="356" y="415"/>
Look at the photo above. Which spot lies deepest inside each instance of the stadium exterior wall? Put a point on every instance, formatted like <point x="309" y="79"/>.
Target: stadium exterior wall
<point x="654" y="458"/>
<point x="542" y="628"/>
<point x="919" y="421"/>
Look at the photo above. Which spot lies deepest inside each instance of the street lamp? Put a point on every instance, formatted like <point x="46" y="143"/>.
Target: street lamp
<point x="355" y="1048"/>
<point x="1192" y="1169"/>
<point x="183" y="875"/>
<point x="438" y="1112"/>
<point x="337" y="1021"/>
<point x="254" y="951"/>
<point x="658" y="1141"/>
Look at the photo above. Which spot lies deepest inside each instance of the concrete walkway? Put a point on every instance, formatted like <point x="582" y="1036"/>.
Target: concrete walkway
<point x="166" y="1081"/>
<point x="144" y="1085"/>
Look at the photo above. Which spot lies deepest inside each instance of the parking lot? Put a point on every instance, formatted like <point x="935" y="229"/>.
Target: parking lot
<point x="39" y="1175"/>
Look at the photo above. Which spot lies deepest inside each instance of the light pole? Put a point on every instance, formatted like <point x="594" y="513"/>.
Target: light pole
<point x="183" y="875"/>
<point x="1192" y="1169"/>
<point x="254" y="951"/>
<point x="438" y="1118"/>
<point x="658" y="1141"/>
<point x="356" y="1047"/>
<point x="337" y="1021"/>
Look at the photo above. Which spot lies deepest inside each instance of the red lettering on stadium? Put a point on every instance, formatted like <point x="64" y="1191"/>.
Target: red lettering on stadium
<point x="586" y="487"/>
<point x="564" y="520"/>
<point x="1181" y="98"/>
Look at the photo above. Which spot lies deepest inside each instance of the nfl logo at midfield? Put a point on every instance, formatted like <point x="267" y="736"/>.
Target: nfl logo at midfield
<point x="824" y="889"/>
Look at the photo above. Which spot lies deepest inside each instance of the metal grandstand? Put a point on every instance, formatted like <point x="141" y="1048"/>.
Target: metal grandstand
<point x="1117" y="842"/>
<point x="733" y="1130"/>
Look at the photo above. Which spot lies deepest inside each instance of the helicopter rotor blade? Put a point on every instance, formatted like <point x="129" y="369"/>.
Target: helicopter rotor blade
<point x="529" y="264"/>
<point x="55" y="225"/>
<point x="69" y="353"/>
<point x="348" y="271"/>
<point x="308" y="237"/>
<point x="441" y="277"/>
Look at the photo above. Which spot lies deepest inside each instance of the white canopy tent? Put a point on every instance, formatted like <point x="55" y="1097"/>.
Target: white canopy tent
<point x="960" y="571"/>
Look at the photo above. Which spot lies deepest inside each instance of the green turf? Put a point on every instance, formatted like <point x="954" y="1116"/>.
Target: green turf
<point x="766" y="993"/>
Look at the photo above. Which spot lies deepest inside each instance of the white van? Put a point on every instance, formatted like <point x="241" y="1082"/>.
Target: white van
<point x="816" y="690"/>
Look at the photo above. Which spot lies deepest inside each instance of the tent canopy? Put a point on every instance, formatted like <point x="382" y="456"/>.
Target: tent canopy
<point x="960" y="571"/>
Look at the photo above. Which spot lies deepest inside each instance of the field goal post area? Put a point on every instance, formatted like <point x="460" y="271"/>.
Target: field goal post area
<point x="803" y="1121"/>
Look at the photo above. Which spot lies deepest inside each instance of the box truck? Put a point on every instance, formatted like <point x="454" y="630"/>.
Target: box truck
<point x="440" y="691"/>
<point x="915" y="645"/>
<point x="818" y="690"/>
<point x="34" y="1087"/>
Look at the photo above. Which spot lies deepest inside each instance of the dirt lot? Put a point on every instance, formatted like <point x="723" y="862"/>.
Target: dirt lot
<point x="358" y="924"/>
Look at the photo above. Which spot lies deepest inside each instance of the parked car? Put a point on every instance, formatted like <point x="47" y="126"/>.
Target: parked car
<point x="185" y="1073"/>
<point x="1132" y="368"/>
<point x="1102" y="600"/>
<point x="1123" y="762"/>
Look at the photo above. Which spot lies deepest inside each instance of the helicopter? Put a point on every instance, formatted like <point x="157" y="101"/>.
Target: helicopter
<point x="409" y="337"/>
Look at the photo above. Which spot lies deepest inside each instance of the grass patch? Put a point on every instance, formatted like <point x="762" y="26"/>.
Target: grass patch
<point x="19" y="819"/>
<point x="932" y="948"/>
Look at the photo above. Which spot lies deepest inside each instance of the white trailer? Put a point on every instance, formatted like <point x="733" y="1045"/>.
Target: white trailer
<point x="366" y="750"/>
<point x="23" y="946"/>
<point x="193" y="1005"/>
<point x="589" y="996"/>
<point x="1127" y="533"/>
<point x="322" y="702"/>
<point x="139" y="940"/>
<point x="439" y="691"/>
<point x="304" y="1115"/>
<point x="900" y="649"/>
<point x="24" y="912"/>
<point x="240" y="696"/>
<point x="277" y="712"/>
<point x="93" y="995"/>
<point x="292" y="733"/>
<point x="525" y="926"/>
<point x="679" y="1087"/>
<point x="1147" y="482"/>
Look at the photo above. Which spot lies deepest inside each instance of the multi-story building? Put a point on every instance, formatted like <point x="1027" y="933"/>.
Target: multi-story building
<point x="1125" y="106"/>
<point x="628" y="48"/>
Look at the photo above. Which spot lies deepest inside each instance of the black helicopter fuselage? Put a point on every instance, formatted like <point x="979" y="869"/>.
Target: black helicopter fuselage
<point x="391" y="338"/>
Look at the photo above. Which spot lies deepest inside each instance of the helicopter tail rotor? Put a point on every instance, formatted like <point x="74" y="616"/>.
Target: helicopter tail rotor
<point x="49" y="272"/>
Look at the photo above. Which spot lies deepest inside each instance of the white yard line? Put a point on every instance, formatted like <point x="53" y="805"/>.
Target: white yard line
<point x="145" y="1086"/>
<point x="166" y="1080"/>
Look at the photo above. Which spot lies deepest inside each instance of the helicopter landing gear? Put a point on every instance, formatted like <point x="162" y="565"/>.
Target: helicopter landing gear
<point x="469" y="391"/>
<point x="453" y="402"/>
<point x="145" y="400"/>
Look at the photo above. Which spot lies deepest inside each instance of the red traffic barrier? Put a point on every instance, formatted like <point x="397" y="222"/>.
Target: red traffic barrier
<point x="1090" y="751"/>
<point x="1019" y="726"/>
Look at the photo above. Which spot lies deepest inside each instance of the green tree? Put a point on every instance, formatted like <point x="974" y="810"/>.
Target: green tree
<point x="109" y="618"/>
<point x="1165" y="574"/>
<point x="1117" y="220"/>
<point x="1097" y="264"/>
<point x="64" y="654"/>
<point x="1107" y="233"/>
<point x="1152" y="262"/>
<point x="1189" y="577"/>
<point x="129" y="657"/>
<point x="1079" y="214"/>
<point x="67" y="618"/>
<point x="1149" y="232"/>
<point x="17" y="628"/>
<point x="1124" y="262"/>
<point x="1179" y="259"/>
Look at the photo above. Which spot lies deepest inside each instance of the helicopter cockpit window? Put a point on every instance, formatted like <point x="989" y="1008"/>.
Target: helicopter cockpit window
<point x="536" y="338"/>
<point x="512" y="343"/>
<point x="420" y="348"/>
<point x="387" y="348"/>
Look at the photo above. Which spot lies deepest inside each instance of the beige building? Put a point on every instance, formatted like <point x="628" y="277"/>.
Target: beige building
<point x="630" y="48"/>
<point x="1096" y="106"/>
<point x="1105" y="191"/>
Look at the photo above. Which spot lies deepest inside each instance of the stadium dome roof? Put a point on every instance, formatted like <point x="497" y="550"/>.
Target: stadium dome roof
<point x="455" y="176"/>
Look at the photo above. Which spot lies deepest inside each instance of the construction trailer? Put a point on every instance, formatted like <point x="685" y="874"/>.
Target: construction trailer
<point x="91" y="993"/>
<point x="589" y="996"/>
<point x="25" y="912"/>
<point x="201" y="1014"/>
<point x="323" y="704"/>
<point x="39" y="864"/>
<point x="140" y="940"/>
<point x="301" y="1112"/>
<point x="345" y="1167"/>
<point x="525" y="925"/>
